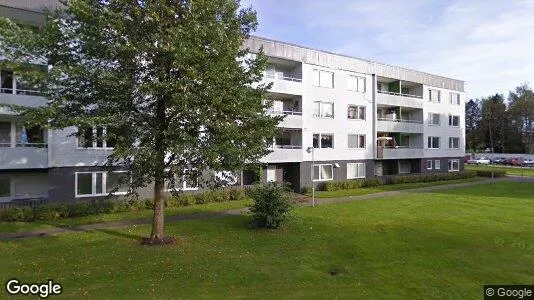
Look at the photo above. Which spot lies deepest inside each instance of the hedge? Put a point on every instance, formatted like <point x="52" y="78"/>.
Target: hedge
<point x="48" y="212"/>
<point x="373" y="182"/>
<point x="487" y="173"/>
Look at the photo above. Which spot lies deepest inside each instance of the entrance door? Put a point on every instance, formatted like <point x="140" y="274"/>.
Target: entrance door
<point x="271" y="173"/>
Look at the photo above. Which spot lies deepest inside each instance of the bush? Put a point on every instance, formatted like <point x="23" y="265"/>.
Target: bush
<point x="272" y="205"/>
<point x="432" y="177"/>
<point x="487" y="173"/>
<point x="352" y="184"/>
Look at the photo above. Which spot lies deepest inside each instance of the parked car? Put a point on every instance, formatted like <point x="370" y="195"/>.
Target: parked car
<point x="528" y="162"/>
<point x="514" y="161"/>
<point x="499" y="160"/>
<point x="479" y="161"/>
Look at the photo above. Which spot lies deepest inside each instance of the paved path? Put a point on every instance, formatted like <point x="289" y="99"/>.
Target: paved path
<point x="303" y="201"/>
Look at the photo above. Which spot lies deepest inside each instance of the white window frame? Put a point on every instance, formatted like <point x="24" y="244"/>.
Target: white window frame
<point x="318" y="75"/>
<point x="358" y="139"/>
<point x="405" y="162"/>
<point x="360" y="83"/>
<point x="93" y="184"/>
<point x="321" y="104"/>
<point x="184" y="184"/>
<point x="451" y="120"/>
<point x="358" y="166"/>
<point x="358" y="112"/>
<point x="437" y="164"/>
<point x="429" y="164"/>
<point x="455" y="98"/>
<point x="431" y="92"/>
<point x="451" y="165"/>
<point x="430" y="142"/>
<point x="431" y="119"/>
<point x="451" y="142"/>
<point x="320" y="138"/>
<point x="319" y="173"/>
<point x="95" y="142"/>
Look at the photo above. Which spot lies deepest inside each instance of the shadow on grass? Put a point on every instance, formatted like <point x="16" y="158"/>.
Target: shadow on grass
<point x="121" y="234"/>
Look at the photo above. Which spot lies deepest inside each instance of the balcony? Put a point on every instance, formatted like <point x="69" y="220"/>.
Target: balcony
<point x="28" y="157"/>
<point x="285" y="85"/>
<point x="286" y="76"/>
<point x="399" y="152"/>
<point x="399" y="93"/>
<point x="29" y="99"/>
<point x="287" y="147"/>
<point x="399" y="125"/>
<point x="288" y="106"/>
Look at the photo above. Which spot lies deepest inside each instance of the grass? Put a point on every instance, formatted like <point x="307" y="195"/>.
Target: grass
<point x="386" y="188"/>
<point x="529" y="172"/>
<point x="443" y="244"/>
<point x="131" y="215"/>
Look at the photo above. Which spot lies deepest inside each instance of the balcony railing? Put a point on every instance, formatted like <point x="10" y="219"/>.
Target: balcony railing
<point x="25" y="145"/>
<point x="403" y="147"/>
<point x="20" y="92"/>
<point x="287" y="147"/>
<point x="401" y="120"/>
<point x="285" y="112"/>
<point x="400" y="94"/>
<point x="283" y="78"/>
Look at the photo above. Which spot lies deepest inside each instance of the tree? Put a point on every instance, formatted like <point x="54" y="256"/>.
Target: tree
<point x="472" y="124"/>
<point x="521" y="108"/>
<point x="169" y="79"/>
<point x="494" y="122"/>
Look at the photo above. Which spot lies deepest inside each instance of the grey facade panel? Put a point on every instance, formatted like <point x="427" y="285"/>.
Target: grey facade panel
<point x="336" y="61"/>
<point x="340" y="174"/>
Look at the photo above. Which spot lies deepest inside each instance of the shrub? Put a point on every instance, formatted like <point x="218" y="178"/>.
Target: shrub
<point x="272" y="205"/>
<point x="352" y="184"/>
<point x="432" y="177"/>
<point x="487" y="173"/>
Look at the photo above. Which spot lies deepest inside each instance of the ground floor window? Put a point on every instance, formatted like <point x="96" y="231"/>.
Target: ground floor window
<point x="404" y="167"/>
<point x="429" y="165"/>
<point x="90" y="184"/>
<point x="188" y="182"/>
<point x="355" y="170"/>
<point x="323" y="172"/>
<point x="5" y="187"/>
<point x="437" y="164"/>
<point x="454" y="165"/>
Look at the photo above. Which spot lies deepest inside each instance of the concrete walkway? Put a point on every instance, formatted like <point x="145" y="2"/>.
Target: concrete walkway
<point x="302" y="201"/>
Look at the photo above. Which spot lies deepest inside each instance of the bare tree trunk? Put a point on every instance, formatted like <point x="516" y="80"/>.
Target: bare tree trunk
<point x="158" y="220"/>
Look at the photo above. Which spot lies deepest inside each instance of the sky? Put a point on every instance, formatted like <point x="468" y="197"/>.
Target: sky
<point x="489" y="44"/>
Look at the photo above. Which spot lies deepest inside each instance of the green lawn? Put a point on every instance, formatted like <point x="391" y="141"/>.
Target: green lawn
<point x="386" y="188"/>
<point x="444" y="244"/>
<point x="509" y="170"/>
<point x="38" y="225"/>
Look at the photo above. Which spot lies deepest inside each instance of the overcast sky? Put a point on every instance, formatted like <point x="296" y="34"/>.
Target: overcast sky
<point x="487" y="43"/>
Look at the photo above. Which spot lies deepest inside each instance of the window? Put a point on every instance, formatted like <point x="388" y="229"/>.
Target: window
<point x="454" y="142"/>
<point x="454" y="120"/>
<point x="455" y="98"/>
<point x="429" y="165"/>
<point x="433" y="142"/>
<point x="5" y="134"/>
<point x="454" y="165"/>
<point x="356" y="112"/>
<point x="404" y="167"/>
<point x="5" y="187"/>
<point x="434" y="119"/>
<point x="437" y="164"/>
<point x="95" y="137"/>
<point x="323" y="140"/>
<point x="323" y="172"/>
<point x="356" y="141"/>
<point x="323" y="109"/>
<point x="355" y="170"/>
<point x="92" y="184"/>
<point x="434" y="95"/>
<point x="7" y="82"/>
<point x="356" y="83"/>
<point x="323" y="78"/>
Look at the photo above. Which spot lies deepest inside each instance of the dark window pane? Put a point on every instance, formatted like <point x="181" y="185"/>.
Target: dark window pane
<point x="85" y="184"/>
<point x="326" y="141"/>
<point x="99" y="137"/>
<point x="6" y="78"/>
<point x="117" y="182"/>
<point x="98" y="183"/>
<point x="315" y="141"/>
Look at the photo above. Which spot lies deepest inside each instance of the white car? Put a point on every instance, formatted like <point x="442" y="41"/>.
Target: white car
<point x="479" y="161"/>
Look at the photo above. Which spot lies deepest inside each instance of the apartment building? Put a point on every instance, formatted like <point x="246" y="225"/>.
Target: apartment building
<point x="345" y="118"/>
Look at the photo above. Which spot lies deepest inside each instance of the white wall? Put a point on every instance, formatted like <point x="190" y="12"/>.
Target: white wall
<point x="63" y="151"/>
